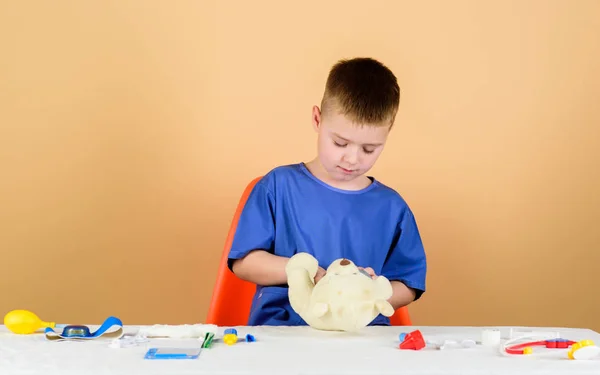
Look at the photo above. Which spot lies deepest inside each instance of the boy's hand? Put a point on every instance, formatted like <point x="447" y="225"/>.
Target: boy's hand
<point x="320" y="273"/>
<point x="370" y="271"/>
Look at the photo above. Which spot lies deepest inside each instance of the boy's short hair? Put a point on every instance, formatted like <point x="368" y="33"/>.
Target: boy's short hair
<point x="364" y="90"/>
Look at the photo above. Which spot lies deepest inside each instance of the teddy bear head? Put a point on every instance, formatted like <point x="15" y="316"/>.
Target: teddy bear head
<point x="342" y="266"/>
<point x="344" y="281"/>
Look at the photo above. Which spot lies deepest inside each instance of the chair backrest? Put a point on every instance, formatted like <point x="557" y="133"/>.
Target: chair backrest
<point x="401" y="317"/>
<point x="232" y="297"/>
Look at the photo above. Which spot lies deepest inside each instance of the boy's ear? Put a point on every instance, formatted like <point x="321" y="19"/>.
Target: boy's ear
<point x="316" y="118"/>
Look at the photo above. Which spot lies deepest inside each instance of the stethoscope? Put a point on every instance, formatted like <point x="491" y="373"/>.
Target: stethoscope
<point x="585" y="349"/>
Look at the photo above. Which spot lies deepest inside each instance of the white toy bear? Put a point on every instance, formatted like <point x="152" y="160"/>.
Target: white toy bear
<point x="345" y="299"/>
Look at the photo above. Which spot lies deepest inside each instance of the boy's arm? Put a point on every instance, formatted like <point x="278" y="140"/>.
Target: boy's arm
<point x="406" y="265"/>
<point x="251" y="256"/>
<point x="262" y="268"/>
<point x="401" y="294"/>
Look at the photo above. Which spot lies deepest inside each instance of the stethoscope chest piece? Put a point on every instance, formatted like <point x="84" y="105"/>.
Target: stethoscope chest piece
<point x="73" y="331"/>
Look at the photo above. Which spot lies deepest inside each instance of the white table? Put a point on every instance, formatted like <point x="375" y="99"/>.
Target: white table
<point x="293" y="350"/>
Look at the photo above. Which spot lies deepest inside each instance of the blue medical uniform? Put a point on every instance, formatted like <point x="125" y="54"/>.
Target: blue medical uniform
<point x="289" y="211"/>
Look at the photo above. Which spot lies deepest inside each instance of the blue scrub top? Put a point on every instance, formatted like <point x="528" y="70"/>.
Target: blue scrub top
<point x="290" y="211"/>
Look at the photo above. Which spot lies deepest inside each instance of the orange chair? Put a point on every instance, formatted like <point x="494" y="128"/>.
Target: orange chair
<point x="401" y="317"/>
<point x="232" y="297"/>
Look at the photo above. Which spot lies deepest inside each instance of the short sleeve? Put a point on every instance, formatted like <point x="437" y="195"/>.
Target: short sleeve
<point x="406" y="261"/>
<point x="256" y="226"/>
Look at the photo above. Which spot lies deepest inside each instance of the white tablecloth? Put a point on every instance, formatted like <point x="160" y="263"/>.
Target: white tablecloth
<point x="293" y="350"/>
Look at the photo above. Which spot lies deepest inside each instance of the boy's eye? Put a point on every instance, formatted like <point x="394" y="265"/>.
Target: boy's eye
<point x="339" y="144"/>
<point x="368" y="151"/>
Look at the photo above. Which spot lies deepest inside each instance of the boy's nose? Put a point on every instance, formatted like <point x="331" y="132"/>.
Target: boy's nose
<point x="351" y="157"/>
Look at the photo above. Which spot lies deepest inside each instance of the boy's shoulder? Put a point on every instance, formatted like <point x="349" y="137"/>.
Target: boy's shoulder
<point x="285" y="170"/>
<point x="280" y="174"/>
<point x="391" y="196"/>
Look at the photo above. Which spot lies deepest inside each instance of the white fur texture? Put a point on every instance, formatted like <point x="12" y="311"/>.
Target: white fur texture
<point x="343" y="300"/>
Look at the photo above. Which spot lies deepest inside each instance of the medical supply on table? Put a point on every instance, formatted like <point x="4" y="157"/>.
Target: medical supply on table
<point x="453" y="344"/>
<point x="25" y="322"/>
<point x="230" y="336"/>
<point x="415" y="341"/>
<point x="581" y="350"/>
<point x="412" y="341"/>
<point x="514" y="333"/>
<point x="127" y="341"/>
<point x="526" y="347"/>
<point x="111" y="328"/>
<point x="208" y="340"/>
<point x="172" y="353"/>
<point x="491" y="337"/>
<point x="585" y="349"/>
<point x="178" y="331"/>
<point x="519" y="343"/>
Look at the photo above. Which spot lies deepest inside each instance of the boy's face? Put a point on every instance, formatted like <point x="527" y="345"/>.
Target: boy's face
<point x="347" y="150"/>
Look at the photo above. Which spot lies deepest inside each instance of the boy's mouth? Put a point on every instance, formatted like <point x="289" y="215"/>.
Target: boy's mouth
<point x="348" y="171"/>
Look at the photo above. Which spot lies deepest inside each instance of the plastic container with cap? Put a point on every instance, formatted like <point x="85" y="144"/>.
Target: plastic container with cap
<point x="490" y="337"/>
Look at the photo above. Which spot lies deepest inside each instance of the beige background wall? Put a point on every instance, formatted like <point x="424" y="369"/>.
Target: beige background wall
<point x="130" y="128"/>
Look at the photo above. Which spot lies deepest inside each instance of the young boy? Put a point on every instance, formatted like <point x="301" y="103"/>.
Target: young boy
<point x="329" y="207"/>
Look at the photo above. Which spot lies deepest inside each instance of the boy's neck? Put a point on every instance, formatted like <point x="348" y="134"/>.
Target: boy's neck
<point x="316" y="169"/>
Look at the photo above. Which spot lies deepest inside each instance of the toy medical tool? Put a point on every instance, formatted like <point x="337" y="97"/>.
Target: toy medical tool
<point x="178" y="331"/>
<point x="585" y="349"/>
<point x="454" y="344"/>
<point x="364" y="272"/>
<point x="230" y="336"/>
<point x="111" y="328"/>
<point x="490" y="337"/>
<point x="172" y="353"/>
<point x="413" y="340"/>
<point x="25" y="322"/>
<point x="514" y="333"/>
<point x="526" y="347"/>
<point x="127" y="341"/>
<point x="208" y="340"/>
